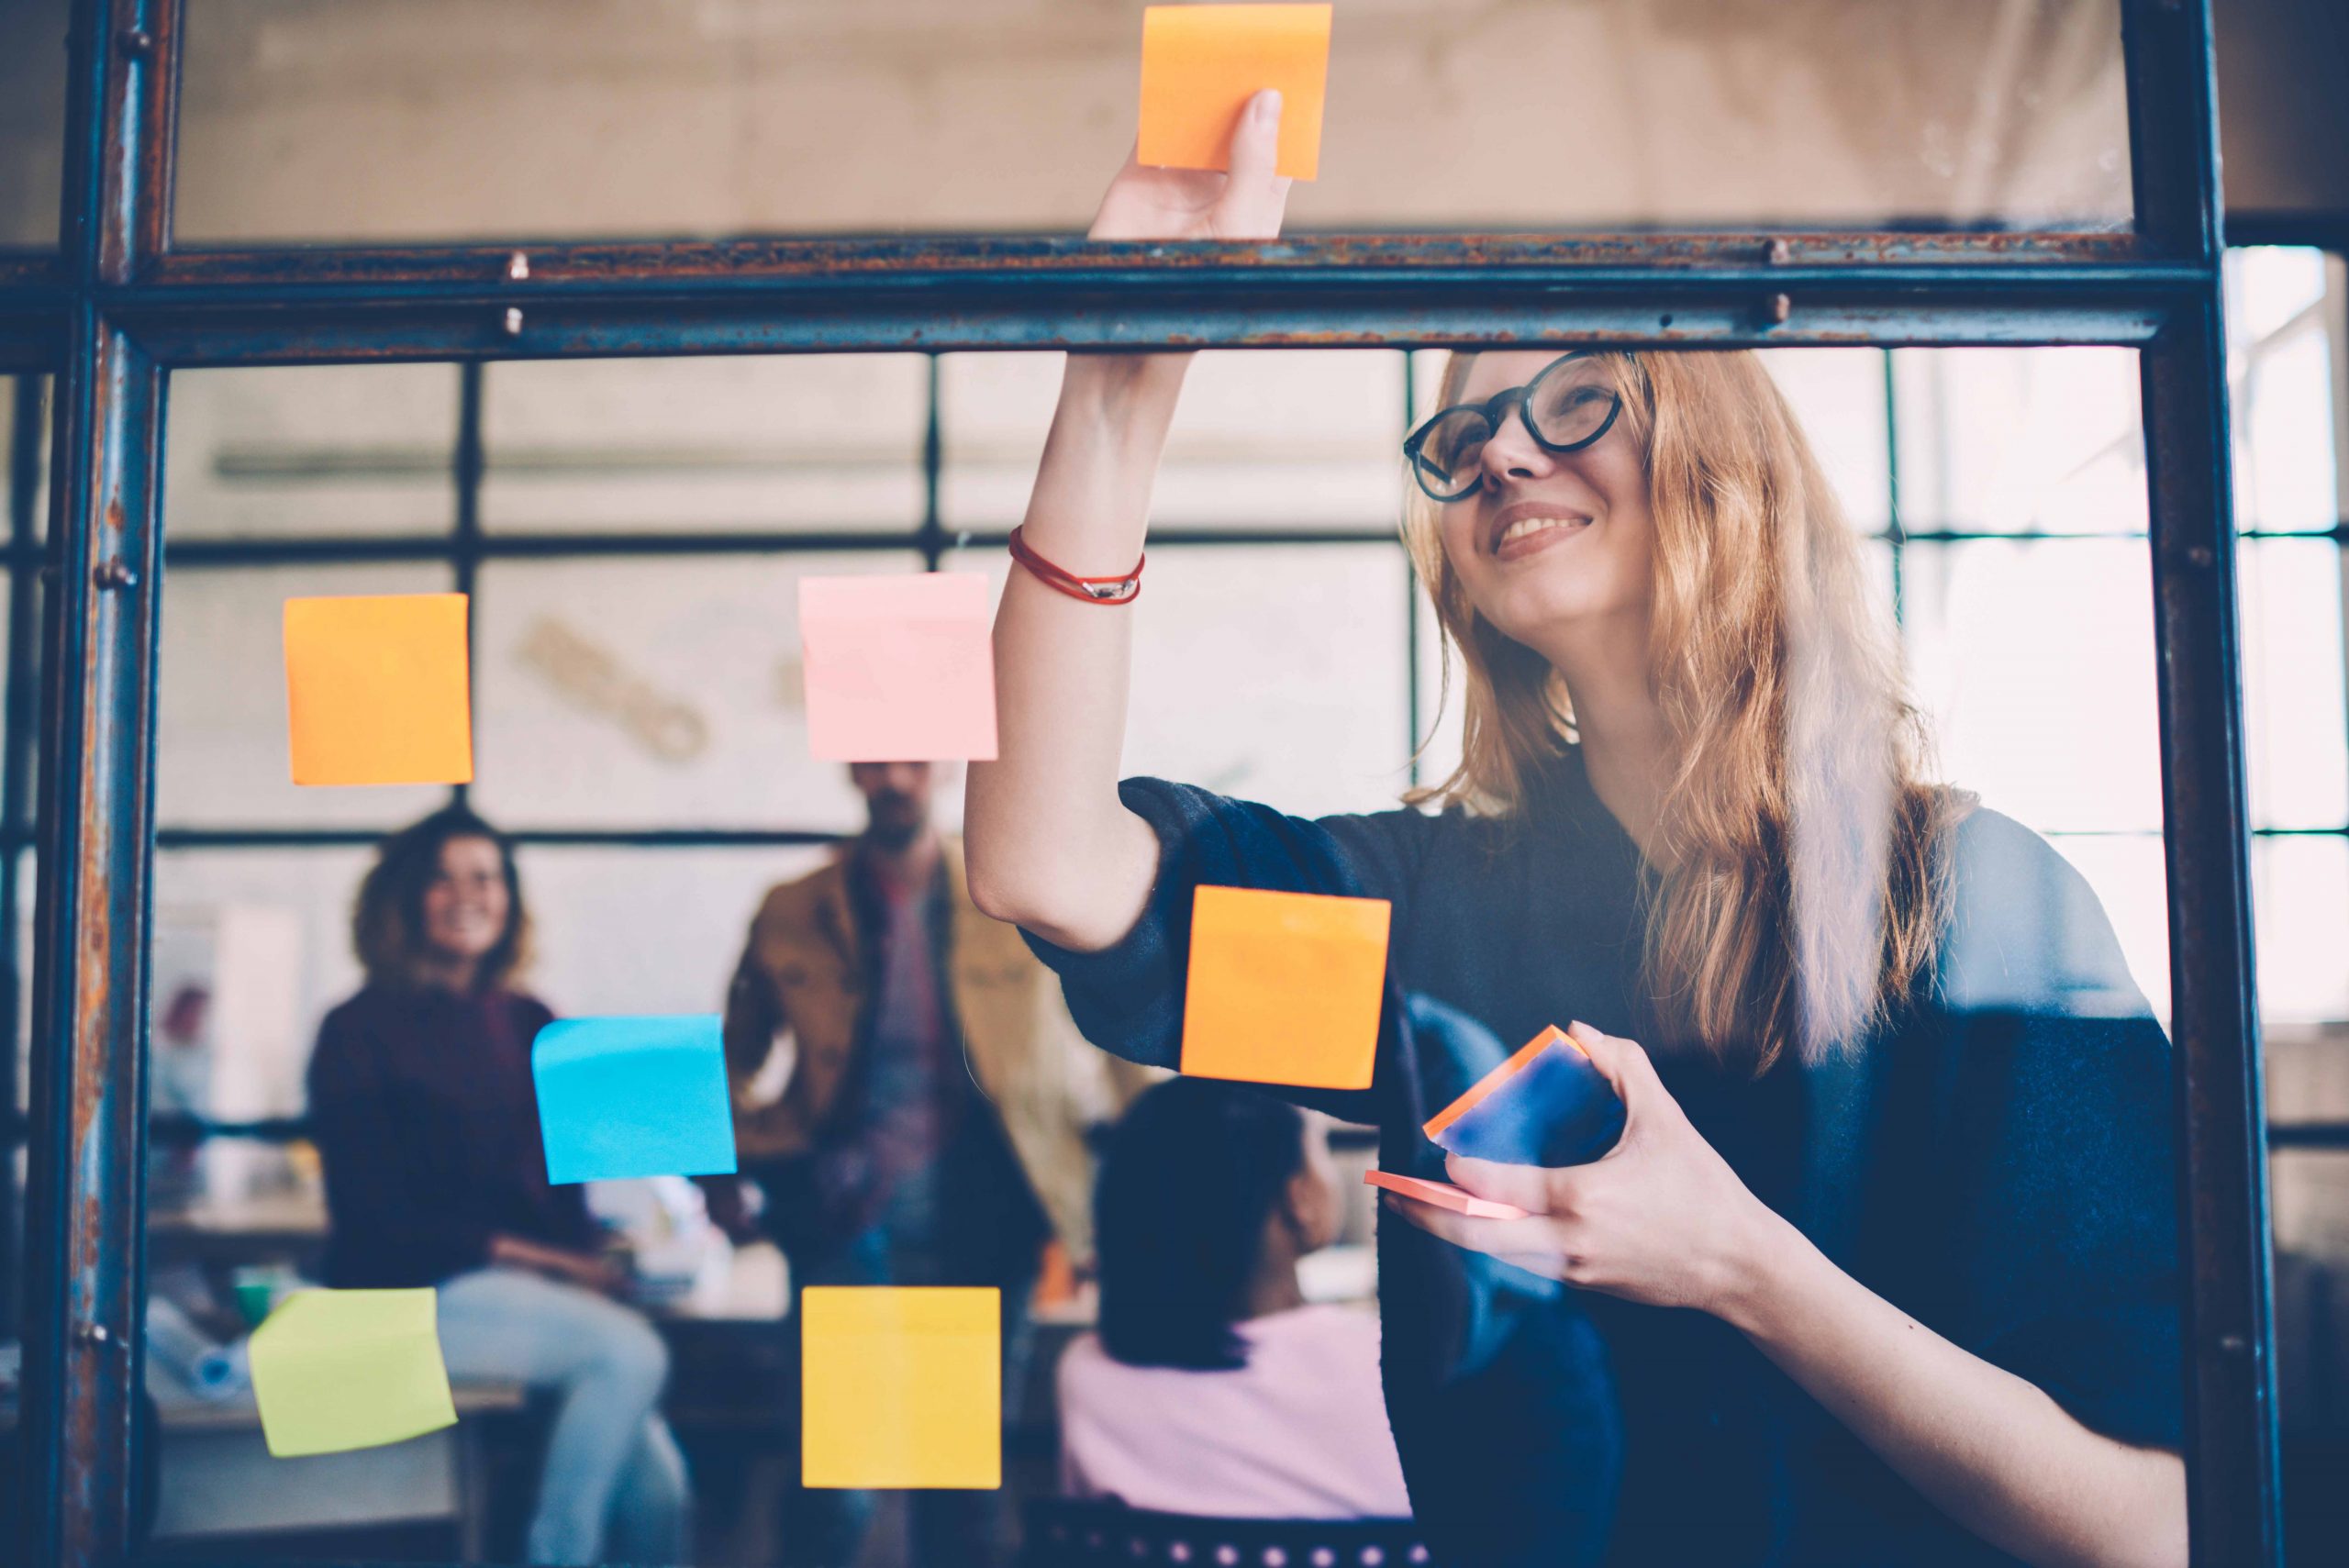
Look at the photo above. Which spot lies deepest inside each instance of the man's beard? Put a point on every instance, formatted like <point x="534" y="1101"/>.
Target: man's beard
<point x="894" y="830"/>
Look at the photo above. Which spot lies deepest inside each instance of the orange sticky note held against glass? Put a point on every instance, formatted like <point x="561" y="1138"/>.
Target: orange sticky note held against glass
<point x="1200" y="65"/>
<point x="1284" y="987"/>
<point x="1443" y="1194"/>
<point x="901" y="1386"/>
<point x="375" y="690"/>
<point x="898" y="669"/>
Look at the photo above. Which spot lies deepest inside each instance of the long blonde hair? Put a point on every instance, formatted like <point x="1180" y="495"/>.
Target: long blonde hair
<point x="1794" y="888"/>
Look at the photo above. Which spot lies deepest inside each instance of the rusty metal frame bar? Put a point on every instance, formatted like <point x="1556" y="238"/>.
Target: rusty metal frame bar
<point x="2233" y="1476"/>
<point x="121" y="306"/>
<point x="85" y="1187"/>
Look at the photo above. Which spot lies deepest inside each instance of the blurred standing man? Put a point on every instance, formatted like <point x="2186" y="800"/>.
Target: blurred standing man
<point x="931" y="1126"/>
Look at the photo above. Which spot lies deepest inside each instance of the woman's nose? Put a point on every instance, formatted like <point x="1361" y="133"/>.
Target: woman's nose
<point x="1511" y="452"/>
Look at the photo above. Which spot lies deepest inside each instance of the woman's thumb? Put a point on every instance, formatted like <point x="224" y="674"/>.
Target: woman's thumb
<point x="1621" y="1061"/>
<point x="1256" y="140"/>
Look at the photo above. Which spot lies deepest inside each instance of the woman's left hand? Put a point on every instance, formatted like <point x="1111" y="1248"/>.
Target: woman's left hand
<point x="1660" y="1218"/>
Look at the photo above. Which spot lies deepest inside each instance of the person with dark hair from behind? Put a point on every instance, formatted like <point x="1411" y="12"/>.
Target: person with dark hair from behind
<point x="426" y="1117"/>
<point x="1212" y="1386"/>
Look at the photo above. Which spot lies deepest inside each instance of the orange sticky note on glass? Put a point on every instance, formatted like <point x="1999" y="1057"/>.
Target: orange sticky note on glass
<point x="1200" y="65"/>
<point x="1284" y="987"/>
<point x="901" y="1386"/>
<point x="898" y="669"/>
<point x="375" y="690"/>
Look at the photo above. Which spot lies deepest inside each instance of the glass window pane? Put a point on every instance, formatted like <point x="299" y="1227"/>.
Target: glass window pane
<point x="1274" y="672"/>
<point x="294" y="451"/>
<point x="649" y="692"/>
<point x="2036" y="661"/>
<point x="2290" y="369"/>
<point x="631" y="930"/>
<point x="2016" y="441"/>
<point x="221" y="758"/>
<point x="2270" y="285"/>
<point x="2297" y="716"/>
<point x="461" y="120"/>
<point x="1277" y="672"/>
<point x="18" y="1021"/>
<point x="1274" y="441"/>
<point x="27" y="397"/>
<point x="2301" y="899"/>
<point x="652" y="694"/>
<point x="32" y="122"/>
<point x="1839" y="396"/>
<point x="818" y="442"/>
<point x="253" y="946"/>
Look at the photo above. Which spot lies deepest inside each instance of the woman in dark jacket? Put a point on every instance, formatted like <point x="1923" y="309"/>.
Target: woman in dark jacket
<point x="425" y="1114"/>
<point x="1884" y="1267"/>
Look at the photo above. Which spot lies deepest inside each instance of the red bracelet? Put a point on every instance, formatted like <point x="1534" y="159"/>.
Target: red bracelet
<point x="1120" y="590"/>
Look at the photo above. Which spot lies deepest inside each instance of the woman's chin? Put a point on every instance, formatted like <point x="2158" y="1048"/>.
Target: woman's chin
<point x="1544" y="615"/>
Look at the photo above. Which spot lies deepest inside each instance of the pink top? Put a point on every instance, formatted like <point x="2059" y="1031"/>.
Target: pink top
<point x="1298" y="1433"/>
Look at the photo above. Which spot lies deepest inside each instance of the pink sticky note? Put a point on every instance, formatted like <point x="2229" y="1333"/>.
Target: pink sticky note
<point x="1443" y="1194"/>
<point x="898" y="669"/>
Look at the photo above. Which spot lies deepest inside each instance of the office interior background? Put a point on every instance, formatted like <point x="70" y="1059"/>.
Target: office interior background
<point x="632" y="531"/>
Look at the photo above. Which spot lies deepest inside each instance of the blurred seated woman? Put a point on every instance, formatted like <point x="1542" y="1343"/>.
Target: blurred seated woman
<point x="424" y="1110"/>
<point x="1213" y="1387"/>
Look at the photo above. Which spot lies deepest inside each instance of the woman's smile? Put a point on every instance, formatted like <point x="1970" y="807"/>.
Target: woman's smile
<point x="1523" y="527"/>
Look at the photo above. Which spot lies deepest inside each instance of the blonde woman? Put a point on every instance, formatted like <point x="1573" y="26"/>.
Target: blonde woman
<point x="1884" y="1268"/>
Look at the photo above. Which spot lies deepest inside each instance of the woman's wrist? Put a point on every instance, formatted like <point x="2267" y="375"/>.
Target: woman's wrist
<point x="1761" y="1272"/>
<point x="1125" y="402"/>
<point x="1091" y="506"/>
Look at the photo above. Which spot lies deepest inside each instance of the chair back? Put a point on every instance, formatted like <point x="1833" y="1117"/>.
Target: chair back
<point x="1067" y="1532"/>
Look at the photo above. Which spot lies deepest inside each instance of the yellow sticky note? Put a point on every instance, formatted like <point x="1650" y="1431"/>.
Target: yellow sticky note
<point x="1284" y="987"/>
<point x="901" y="1386"/>
<point x="344" y="1369"/>
<point x="375" y="690"/>
<point x="1200" y="65"/>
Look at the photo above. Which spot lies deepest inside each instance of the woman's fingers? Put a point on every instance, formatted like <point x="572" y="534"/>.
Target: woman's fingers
<point x="1255" y="196"/>
<point x="1521" y="1186"/>
<point x="1516" y="1241"/>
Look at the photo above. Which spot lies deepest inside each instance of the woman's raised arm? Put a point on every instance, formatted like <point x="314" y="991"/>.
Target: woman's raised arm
<point x="1049" y="844"/>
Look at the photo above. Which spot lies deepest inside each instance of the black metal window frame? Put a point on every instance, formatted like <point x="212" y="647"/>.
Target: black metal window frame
<point x="117" y="307"/>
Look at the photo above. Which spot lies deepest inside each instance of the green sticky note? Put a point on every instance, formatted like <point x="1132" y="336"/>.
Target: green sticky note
<point x="344" y="1369"/>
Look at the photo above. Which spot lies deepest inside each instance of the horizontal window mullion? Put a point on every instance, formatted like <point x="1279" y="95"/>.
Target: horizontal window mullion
<point x="652" y="262"/>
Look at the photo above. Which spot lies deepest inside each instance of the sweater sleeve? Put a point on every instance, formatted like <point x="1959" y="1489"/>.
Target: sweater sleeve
<point x="2058" y="1123"/>
<point x="1127" y="998"/>
<point x="370" y="1199"/>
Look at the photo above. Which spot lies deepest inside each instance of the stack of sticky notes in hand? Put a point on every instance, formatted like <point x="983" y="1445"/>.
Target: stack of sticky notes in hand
<point x="343" y="1368"/>
<point x="901" y="1386"/>
<point x="898" y="669"/>
<point x="1201" y="64"/>
<point x="1443" y="1194"/>
<point x="377" y="689"/>
<point x="634" y="1096"/>
<point x="1284" y="987"/>
<point x="1548" y="1105"/>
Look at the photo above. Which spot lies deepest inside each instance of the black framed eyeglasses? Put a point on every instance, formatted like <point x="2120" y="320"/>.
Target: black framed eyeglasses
<point x="1570" y="404"/>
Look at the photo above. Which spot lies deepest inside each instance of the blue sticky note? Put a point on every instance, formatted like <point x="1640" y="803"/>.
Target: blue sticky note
<point x="1548" y="1105"/>
<point x="623" y="1097"/>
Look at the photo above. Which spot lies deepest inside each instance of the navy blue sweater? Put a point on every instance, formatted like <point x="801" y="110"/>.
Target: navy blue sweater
<point x="1999" y="1164"/>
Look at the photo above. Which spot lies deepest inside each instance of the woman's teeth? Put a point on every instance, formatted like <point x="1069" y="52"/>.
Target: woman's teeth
<point x="1525" y="527"/>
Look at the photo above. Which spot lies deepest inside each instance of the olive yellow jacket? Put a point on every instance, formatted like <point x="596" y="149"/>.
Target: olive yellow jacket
<point x="800" y="989"/>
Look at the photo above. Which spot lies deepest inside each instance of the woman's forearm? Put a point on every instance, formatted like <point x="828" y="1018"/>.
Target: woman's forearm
<point x="1988" y="1448"/>
<point x="1049" y="844"/>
